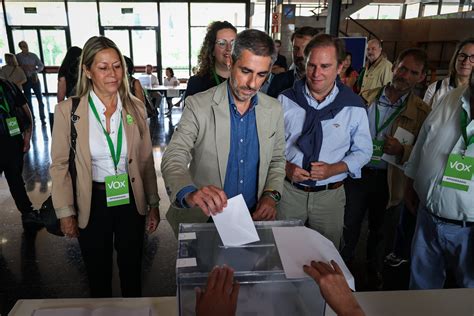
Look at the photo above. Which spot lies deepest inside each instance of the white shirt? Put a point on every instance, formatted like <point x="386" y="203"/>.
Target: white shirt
<point x="432" y="97"/>
<point x="170" y="82"/>
<point x="440" y="136"/>
<point x="102" y="162"/>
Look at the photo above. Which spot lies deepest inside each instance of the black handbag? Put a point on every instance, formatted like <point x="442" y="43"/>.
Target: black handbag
<point x="47" y="212"/>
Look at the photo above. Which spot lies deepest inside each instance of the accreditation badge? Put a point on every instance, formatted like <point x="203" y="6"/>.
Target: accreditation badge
<point x="458" y="172"/>
<point x="377" y="146"/>
<point x="116" y="190"/>
<point x="13" y="127"/>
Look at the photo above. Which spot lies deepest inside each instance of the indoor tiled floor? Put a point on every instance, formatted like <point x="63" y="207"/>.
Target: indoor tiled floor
<point x="46" y="266"/>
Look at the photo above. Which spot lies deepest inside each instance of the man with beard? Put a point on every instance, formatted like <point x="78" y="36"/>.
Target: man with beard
<point x="390" y="108"/>
<point x="440" y="182"/>
<point x="285" y="80"/>
<point x="327" y="139"/>
<point x="378" y="70"/>
<point x="229" y="141"/>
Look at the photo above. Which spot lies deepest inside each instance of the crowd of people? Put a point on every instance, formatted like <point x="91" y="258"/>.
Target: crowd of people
<point x="326" y="144"/>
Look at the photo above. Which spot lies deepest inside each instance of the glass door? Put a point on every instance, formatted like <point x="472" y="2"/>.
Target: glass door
<point x="137" y="43"/>
<point x="121" y="39"/>
<point x="50" y="46"/>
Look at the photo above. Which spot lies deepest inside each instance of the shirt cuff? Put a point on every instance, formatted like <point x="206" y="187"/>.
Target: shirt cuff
<point x="180" y="197"/>
<point x="65" y="211"/>
<point x="353" y="168"/>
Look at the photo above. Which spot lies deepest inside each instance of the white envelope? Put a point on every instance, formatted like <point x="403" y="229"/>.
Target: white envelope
<point x="300" y="245"/>
<point x="405" y="138"/>
<point x="235" y="225"/>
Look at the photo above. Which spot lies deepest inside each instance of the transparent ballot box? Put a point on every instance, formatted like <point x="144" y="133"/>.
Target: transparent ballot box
<point x="264" y="289"/>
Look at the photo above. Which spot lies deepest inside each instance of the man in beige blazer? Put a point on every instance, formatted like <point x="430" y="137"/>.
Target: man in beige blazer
<point x="208" y="160"/>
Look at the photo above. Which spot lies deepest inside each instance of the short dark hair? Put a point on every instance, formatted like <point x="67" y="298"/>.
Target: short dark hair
<point x="417" y="53"/>
<point x="277" y="41"/>
<point x="326" y="40"/>
<point x="304" y="31"/>
<point x="258" y="42"/>
<point x="170" y="70"/>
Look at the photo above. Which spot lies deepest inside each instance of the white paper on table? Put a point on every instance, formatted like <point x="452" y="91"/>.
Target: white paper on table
<point x="234" y="224"/>
<point x="94" y="311"/>
<point x="300" y="245"/>
<point x="405" y="138"/>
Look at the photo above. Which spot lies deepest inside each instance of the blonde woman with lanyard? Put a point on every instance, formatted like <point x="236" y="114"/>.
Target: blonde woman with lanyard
<point x="116" y="183"/>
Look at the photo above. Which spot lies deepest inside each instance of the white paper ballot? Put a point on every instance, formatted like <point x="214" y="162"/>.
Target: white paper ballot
<point x="300" y="245"/>
<point x="405" y="138"/>
<point x="234" y="224"/>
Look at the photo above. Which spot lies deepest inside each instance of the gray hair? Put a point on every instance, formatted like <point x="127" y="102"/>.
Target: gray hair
<point x="258" y="42"/>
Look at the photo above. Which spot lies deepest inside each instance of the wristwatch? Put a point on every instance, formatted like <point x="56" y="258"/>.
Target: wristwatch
<point x="274" y="194"/>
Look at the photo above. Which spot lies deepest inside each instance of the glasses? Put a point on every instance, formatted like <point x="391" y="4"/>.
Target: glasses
<point x="223" y="43"/>
<point x="463" y="57"/>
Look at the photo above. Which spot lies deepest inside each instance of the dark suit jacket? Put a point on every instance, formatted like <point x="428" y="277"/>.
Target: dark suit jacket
<point x="281" y="82"/>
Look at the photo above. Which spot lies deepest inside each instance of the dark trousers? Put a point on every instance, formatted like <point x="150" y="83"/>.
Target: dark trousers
<point x="404" y="234"/>
<point x="11" y="164"/>
<point x="370" y="193"/>
<point x="36" y="86"/>
<point x="119" y="227"/>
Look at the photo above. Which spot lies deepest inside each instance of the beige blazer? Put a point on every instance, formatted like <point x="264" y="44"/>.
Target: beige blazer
<point x="411" y="119"/>
<point x="198" y="151"/>
<point x="141" y="170"/>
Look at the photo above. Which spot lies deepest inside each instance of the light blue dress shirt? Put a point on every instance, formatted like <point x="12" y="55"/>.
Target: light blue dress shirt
<point x="386" y="108"/>
<point x="346" y="137"/>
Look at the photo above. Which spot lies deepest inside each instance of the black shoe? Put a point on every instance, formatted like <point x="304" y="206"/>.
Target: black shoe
<point x="31" y="220"/>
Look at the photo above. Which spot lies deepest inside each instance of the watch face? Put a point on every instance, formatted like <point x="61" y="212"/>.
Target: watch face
<point x="277" y="195"/>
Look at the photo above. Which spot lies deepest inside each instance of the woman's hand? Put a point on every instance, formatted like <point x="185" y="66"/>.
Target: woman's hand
<point x="69" y="227"/>
<point x="153" y="219"/>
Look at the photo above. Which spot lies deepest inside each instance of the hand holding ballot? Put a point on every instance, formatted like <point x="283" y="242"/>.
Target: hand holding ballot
<point x="210" y="199"/>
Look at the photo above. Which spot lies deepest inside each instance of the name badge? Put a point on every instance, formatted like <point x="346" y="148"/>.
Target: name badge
<point x="377" y="147"/>
<point x="116" y="190"/>
<point x="458" y="172"/>
<point x="13" y="127"/>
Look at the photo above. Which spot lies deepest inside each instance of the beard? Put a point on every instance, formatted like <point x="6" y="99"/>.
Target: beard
<point x="236" y="91"/>
<point x="400" y="84"/>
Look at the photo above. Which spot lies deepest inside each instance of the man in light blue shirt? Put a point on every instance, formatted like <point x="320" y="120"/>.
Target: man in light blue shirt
<point x="327" y="138"/>
<point x="443" y="198"/>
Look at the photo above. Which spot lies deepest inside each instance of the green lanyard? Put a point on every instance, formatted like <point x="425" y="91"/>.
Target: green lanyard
<point x="379" y="128"/>
<point x="216" y="78"/>
<point x="464" y="122"/>
<point x="4" y="106"/>
<point x="115" y="154"/>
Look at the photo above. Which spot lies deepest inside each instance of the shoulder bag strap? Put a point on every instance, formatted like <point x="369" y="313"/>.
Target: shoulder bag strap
<point x="72" y="148"/>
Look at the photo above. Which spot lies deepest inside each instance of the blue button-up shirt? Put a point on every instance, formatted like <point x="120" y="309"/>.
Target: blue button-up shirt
<point x="386" y="108"/>
<point x="243" y="161"/>
<point x="346" y="137"/>
<point x="242" y="165"/>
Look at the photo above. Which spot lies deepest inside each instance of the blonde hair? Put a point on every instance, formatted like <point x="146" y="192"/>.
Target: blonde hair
<point x="10" y="59"/>
<point x="93" y="46"/>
